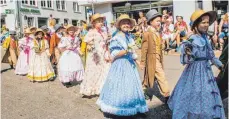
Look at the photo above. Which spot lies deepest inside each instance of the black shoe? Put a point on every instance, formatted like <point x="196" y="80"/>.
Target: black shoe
<point x="141" y="115"/>
<point x="67" y="85"/>
<point x="11" y="67"/>
<point x="147" y="95"/>
<point x="52" y="79"/>
<point x="166" y="99"/>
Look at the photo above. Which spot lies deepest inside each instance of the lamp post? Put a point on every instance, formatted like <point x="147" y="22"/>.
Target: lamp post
<point x="19" y="18"/>
<point x="92" y="6"/>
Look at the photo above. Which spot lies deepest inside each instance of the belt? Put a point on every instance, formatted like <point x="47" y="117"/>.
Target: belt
<point x="201" y="59"/>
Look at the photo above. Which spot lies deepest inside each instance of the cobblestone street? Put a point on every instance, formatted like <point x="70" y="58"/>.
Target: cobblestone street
<point x="22" y="99"/>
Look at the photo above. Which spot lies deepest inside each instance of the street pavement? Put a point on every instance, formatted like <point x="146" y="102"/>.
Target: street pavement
<point x="22" y="99"/>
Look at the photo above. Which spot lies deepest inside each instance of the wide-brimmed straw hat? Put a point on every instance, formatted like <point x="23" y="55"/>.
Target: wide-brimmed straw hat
<point x="198" y="14"/>
<point x="39" y="30"/>
<point x="152" y="14"/>
<point x="125" y="17"/>
<point x="71" y="27"/>
<point x="33" y="28"/>
<point x="96" y="16"/>
<point x="112" y="22"/>
<point x="27" y="31"/>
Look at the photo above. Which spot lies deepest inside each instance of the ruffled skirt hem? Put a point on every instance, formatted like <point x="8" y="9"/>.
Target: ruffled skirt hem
<point x="41" y="78"/>
<point x="119" y="111"/>
<point x="66" y="76"/>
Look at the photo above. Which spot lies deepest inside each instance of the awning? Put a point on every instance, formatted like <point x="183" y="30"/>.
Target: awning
<point x="96" y="2"/>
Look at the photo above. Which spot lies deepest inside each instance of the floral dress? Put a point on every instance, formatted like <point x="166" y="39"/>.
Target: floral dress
<point x="196" y="95"/>
<point x="96" y="67"/>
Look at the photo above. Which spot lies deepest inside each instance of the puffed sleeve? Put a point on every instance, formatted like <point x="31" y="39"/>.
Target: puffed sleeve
<point x="114" y="47"/>
<point x="62" y="43"/>
<point x="46" y="44"/>
<point x="89" y="37"/>
<point x="47" y="48"/>
<point x="184" y="58"/>
<point x="21" y="42"/>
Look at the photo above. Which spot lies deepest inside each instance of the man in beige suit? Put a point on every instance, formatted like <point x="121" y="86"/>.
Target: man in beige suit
<point x="152" y="57"/>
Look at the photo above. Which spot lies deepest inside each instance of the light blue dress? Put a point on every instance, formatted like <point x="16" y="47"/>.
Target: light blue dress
<point x="122" y="92"/>
<point x="196" y="95"/>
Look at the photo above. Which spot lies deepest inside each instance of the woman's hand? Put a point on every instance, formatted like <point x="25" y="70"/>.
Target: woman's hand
<point x="188" y="51"/>
<point x="62" y="49"/>
<point x="89" y="47"/>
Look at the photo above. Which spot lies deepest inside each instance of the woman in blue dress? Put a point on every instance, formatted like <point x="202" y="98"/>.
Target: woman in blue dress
<point x="196" y="95"/>
<point x="122" y="93"/>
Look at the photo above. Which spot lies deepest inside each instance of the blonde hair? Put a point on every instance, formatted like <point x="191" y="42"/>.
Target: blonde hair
<point x="225" y="18"/>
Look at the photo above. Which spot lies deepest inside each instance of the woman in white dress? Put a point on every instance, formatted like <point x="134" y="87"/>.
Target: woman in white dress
<point x="97" y="65"/>
<point x="25" y="47"/>
<point x="70" y="64"/>
<point x="40" y="68"/>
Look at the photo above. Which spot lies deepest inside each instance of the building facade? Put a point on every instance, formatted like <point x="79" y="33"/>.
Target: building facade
<point x="112" y="9"/>
<point x="17" y="14"/>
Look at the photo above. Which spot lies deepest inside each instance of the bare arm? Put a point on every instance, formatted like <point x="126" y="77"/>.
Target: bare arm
<point x="220" y="25"/>
<point x="216" y="27"/>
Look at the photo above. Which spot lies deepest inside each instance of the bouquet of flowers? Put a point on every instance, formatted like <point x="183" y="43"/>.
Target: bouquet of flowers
<point x="131" y="49"/>
<point x="91" y="46"/>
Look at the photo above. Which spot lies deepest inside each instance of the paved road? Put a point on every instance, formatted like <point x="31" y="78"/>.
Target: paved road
<point x="22" y="99"/>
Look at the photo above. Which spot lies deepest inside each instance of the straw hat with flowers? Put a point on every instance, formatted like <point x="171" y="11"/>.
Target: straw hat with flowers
<point x="198" y="14"/>
<point x="96" y="16"/>
<point x="39" y="30"/>
<point x="32" y="28"/>
<point x="70" y="27"/>
<point x="27" y="31"/>
<point x="124" y="17"/>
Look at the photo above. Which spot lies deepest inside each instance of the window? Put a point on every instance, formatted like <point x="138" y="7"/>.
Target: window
<point x="61" y="5"/>
<point x="47" y="4"/>
<point x="199" y="4"/>
<point x="58" y="4"/>
<point x="66" y="21"/>
<point x="2" y="2"/>
<point x="42" y="22"/>
<point x="29" y="2"/>
<point x="30" y="21"/>
<point x="76" y="7"/>
<point x="57" y="20"/>
<point x="74" y="22"/>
